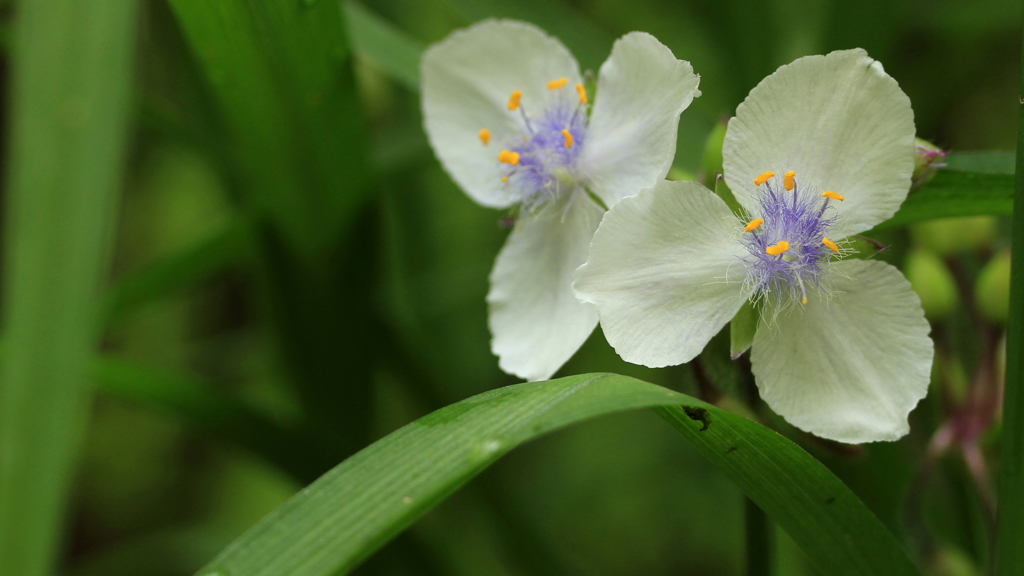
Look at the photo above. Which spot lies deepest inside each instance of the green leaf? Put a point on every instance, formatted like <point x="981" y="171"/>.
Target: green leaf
<point x="742" y="330"/>
<point x="953" y="193"/>
<point x="181" y="270"/>
<point x="818" y="511"/>
<point x="971" y="184"/>
<point x="397" y="54"/>
<point x="71" y="87"/>
<point x="351" y="511"/>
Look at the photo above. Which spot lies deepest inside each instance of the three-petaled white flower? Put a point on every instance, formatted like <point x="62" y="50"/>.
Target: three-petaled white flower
<point x="508" y="114"/>
<point x="842" y="349"/>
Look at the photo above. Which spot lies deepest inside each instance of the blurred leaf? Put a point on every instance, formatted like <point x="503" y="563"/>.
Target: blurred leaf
<point x="986" y="162"/>
<point x="588" y="42"/>
<point x="328" y="328"/>
<point x="725" y="193"/>
<point x="711" y="164"/>
<point x="341" y="519"/>
<point x="398" y="151"/>
<point x="71" y="88"/>
<point x="205" y="408"/>
<point x="281" y="73"/>
<point x="951" y="236"/>
<point x="742" y="329"/>
<point x="165" y="553"/>
<point x="174" y="101"/>
<point x="397" y="54"/>
<point x="934" y="283"/>
<point x="992" y="291"/>
<point x="181" y="270"/>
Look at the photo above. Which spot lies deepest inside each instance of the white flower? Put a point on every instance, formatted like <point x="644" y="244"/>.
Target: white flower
<point x="508" y="115"/>
<point x="842" y="349"/>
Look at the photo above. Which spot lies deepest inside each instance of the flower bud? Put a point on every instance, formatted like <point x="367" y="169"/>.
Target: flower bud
<point x="992" y="292"/>
<point x="933" y="282"/>
<point x="928" y="158"/>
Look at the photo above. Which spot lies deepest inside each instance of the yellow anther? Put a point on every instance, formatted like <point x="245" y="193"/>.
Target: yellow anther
<point x="764" y="178"/>
<point x="804" y="301"/>
<point x="582" y="91"/>
<point x="556" y="84"/>
<point x="504" y="178"/>
<point x="513" y="102"/>
<point x="833" y="195"/>
<point x="509" y="157"/>
<point x="831" y="245"/>
<point x="485" y="136"/>
<point x="777" y="249"/>
<point x="753" y="224"/>
<point x="568" y="138"/>
<point x="789" y="180"/>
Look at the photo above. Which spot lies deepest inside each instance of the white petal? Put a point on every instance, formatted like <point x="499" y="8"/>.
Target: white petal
<point x="840" y="122"/>
<point x="631" y="140"/>
<point x="467" y="80"/>
<point x="536" y="322"/>
<point x="658" y="272"/>
<point x="851" y="368"/>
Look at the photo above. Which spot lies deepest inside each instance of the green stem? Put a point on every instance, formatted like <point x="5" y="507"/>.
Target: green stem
<point x="759" y="528"/>
<point x="760" y="540"/>
<point x="1009" y="553"/>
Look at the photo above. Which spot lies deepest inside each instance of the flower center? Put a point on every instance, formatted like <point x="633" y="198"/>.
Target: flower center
<point x="788" y="241"/>
<point x="540" y="161"/>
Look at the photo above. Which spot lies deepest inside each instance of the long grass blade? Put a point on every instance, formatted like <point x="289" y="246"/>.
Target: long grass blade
<point x="1010" y="532"/>
<point x="279" y="71"/>
<point x="397" y="54"/>
<point x="72" y="64"/>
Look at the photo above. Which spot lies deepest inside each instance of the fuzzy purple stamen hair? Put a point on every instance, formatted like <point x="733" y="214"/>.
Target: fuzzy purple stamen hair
<point x="545" y="159"/>
<point x="801" y="217"/>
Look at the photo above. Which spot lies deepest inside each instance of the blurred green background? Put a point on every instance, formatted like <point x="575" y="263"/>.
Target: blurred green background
<point x="315" y="263"/>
